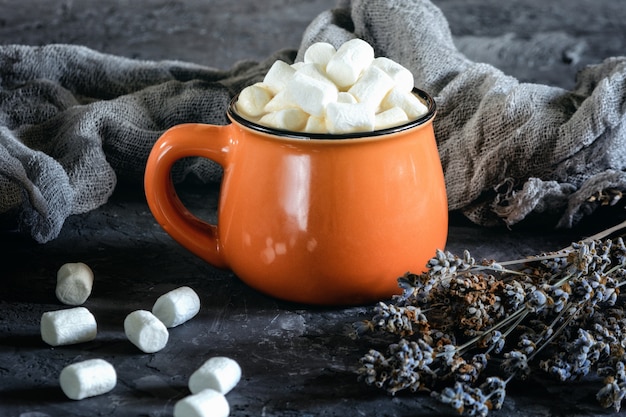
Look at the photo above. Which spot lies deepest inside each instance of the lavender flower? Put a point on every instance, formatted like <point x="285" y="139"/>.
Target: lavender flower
<point x="561" y="313"/>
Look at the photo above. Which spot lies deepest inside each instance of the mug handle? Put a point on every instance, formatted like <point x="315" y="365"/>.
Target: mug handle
<point x="181" y="141"/>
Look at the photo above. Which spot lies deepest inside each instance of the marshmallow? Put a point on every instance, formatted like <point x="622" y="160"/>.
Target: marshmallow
<point x="372" y="86"/>
<point x="69" y="326"/>
<point x="412" y="106"/>
<point x="219" y="373"/>
<point x="314" y="72"/>
<point x="74" y="283"/>
<point x="345" y="67"/>
<point x="402" y="77"/>
<point x="278" y="76"/>
<point x="390" y="118"/>
<point x="320" y="93"/>
<point x="253" y="99"/>
<point x="319" y="54"/>
<point x="207" y="403"/>
<point x="281" y="101"/>
<point x="177" y="306"/>
<point x="310" y="94"/>
<point x="145" y="331"/>
<point x="315" y="125"/>
<point x="87" y="379"/>
<point x="349" y="118"/>
<point x="345" y="97"/>
<point x="287" y="119"/>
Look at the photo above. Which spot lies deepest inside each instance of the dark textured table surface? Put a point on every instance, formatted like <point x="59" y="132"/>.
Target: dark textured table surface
<point x="297" y="360"/>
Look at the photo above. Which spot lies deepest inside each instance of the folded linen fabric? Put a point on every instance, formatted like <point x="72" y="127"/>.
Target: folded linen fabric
<point x="508" y="149"/>
<point x="73" y="121"/>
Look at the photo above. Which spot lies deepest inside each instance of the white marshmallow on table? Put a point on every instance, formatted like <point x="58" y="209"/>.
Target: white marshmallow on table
<point x="293" y="119"/>
<point x="206" y="403"/>
<point x="402" y="77"/>
<point x="310" y="94"/>
<point x="145" y="331"/>
<point x="278" y="76"/>
<point x="177" y="306"/>
<point x="407" y="101"/>
<point x="87" y="379"/>
<point x="372" y="86"/>
<point x="253" y="99"/>
<point x="319" y="54"/>
<point x="349" y="118"/>
<point x="346" y="65"/>
<point x="74" y="283"/>
<point x="69" y="326"/>
<point x="395" y="116"/>
<point x="218" y="373"/>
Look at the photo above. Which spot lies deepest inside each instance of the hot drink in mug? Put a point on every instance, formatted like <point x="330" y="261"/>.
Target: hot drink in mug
<point x="320" y="203"/>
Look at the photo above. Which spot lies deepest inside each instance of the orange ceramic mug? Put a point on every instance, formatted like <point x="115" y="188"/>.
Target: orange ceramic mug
<point x="317" y="219"/>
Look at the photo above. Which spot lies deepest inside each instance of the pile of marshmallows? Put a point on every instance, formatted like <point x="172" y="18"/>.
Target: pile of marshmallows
<point x="333" y="91"/>
<point x="148" y="330"/>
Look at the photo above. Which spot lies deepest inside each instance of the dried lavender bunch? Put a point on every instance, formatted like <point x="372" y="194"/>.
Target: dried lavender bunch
<point x="465" y="329"/>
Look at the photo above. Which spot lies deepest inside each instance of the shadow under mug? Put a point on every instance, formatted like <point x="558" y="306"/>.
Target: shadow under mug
<point x="311" y="218"/>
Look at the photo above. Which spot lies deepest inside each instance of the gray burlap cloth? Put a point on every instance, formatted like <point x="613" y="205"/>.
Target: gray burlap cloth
<point x="73" y="122"/>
